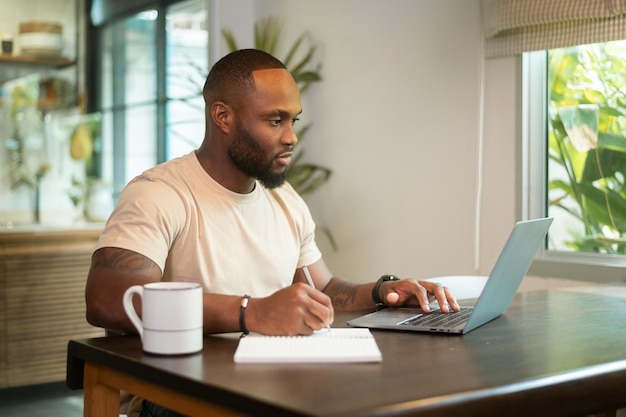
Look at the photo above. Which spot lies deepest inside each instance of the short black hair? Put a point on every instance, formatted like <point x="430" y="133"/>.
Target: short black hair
<point x="231" y="76"/>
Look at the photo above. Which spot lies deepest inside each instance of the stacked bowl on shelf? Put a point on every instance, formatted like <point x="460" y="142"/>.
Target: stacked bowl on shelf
<point x="41" y="38"/>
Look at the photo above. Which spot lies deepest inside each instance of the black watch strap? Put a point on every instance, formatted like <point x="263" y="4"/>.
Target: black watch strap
<point x="375" y="291"/>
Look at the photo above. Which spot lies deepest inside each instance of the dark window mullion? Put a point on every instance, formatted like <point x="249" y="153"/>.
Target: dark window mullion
<point x="118" y="61"/>
<point x="161" y="104"/>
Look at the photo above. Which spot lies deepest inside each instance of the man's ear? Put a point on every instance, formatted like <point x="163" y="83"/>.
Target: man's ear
<point x="221" y="114"/>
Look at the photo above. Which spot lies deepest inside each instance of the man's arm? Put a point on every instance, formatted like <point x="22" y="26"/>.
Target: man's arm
<point x="113" y="270"/>
<point x="296" y="309"/>
<point x="348" y="296"/>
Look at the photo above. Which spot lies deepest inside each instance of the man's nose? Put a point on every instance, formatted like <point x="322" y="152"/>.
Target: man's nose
<point x="290" y="137"/>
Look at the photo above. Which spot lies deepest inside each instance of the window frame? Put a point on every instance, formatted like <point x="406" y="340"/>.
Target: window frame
<point x="532" y="67"/>
<point x="104" y="14"/>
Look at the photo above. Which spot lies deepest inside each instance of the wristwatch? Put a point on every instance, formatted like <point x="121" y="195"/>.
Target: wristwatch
<point x="380" y="304"/>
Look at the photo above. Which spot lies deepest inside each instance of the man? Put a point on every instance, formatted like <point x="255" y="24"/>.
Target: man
<point x="225" y="217"/>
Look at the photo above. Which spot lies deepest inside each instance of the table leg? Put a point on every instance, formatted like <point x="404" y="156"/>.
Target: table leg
<point x="102" y="388"/>
<point x="100" y="399"/>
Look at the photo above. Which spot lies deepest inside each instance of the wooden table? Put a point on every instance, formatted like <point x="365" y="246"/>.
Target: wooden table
<point x="554" y="353"/>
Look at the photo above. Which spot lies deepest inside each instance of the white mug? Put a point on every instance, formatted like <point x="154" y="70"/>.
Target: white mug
<point x="172" y="316"/>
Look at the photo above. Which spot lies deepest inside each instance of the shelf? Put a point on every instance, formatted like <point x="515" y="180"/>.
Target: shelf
<point x="37" y="60"/>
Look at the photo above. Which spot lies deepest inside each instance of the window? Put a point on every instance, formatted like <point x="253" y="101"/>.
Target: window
<point x="574" y="159"/>
<point x="151" y="70"/>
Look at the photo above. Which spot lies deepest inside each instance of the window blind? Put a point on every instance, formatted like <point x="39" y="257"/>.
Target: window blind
<point x="511" y="27"/>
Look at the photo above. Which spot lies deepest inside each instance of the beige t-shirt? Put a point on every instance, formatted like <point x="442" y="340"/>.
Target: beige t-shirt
<point x="196" y="230"/>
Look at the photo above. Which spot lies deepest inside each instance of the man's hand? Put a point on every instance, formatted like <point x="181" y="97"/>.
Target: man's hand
<point x="295" y="310"/>
<point x="416" y="292"/>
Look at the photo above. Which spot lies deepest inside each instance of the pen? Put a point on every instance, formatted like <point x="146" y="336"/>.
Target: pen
<point x="310" y="281"/>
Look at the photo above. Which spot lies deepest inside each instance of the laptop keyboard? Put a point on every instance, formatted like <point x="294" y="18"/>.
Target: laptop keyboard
<point x="438" y="319"/>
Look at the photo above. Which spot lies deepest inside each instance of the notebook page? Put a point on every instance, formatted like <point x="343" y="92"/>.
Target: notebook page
<point x="338" y="345"/>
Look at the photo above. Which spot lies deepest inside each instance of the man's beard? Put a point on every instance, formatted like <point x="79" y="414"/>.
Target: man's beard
<point x="249" y="157"/>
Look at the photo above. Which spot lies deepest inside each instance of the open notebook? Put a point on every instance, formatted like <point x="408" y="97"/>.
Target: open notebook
<point x="336" y="345"/>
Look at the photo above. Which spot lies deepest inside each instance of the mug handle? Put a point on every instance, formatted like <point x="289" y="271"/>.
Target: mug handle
<point x="130" y="308"/>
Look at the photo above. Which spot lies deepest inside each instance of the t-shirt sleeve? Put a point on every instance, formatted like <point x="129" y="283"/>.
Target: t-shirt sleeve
<point x="146" y="220"/>
<point x="309" y="252"/>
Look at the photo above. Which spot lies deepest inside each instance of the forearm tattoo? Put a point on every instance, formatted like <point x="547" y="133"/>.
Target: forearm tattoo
<point x="341" y="294"/>
<point x="124" y="260"/>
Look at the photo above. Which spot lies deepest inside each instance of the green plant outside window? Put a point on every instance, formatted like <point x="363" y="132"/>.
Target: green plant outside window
<point x="587" y="146"/>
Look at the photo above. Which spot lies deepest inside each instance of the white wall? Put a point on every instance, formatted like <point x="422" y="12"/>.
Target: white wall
<point x="397" y="119"/>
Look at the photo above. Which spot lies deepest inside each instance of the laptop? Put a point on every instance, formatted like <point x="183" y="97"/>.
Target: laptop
<point x="494" y="300"/>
